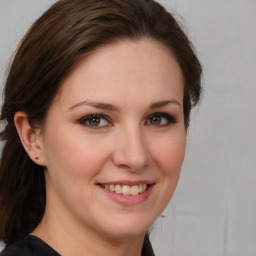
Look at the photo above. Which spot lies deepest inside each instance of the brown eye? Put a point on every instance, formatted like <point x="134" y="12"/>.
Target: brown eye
<point x="160" y="120"/>
<point x="155" y="120"/>
<point x="95" y="121"/>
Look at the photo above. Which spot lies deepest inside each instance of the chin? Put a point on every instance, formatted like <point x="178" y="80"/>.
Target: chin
<point x="125" y="229"/>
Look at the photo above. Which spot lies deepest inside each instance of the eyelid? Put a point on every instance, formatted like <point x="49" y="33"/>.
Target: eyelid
<point x="84" y="119"/>
<point x="170" y="118"/>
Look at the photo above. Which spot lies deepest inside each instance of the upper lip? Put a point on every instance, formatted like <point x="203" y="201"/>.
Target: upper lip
<point x="127" y="182"/>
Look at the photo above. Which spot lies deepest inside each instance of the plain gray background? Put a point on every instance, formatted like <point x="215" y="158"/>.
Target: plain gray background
<point x="213" y="211"/>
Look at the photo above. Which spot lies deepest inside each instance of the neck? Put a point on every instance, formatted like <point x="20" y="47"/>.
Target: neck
<point x="69" y="238"/>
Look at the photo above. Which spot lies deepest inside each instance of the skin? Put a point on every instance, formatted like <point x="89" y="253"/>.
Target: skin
<point x="128" y="145"/>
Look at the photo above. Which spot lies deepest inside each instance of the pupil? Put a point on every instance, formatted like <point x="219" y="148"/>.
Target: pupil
<point x="94" y="121"/>
<point x="156" y="120"/>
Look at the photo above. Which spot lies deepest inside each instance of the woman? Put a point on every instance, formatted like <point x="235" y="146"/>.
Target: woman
<point x="96" y="105"/>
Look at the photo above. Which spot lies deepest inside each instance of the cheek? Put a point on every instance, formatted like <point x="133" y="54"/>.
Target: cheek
<point x="72" y="153"/>
<point x="168" y="157"/>
<point x="72" y="164"/>
<point x="170" y="154"/>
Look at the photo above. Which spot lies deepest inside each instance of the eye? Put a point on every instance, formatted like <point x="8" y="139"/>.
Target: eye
<point x="160" y="119"/>
<point x="95" y="121"/>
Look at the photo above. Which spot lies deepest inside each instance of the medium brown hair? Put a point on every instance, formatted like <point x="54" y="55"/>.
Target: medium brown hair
<point x="50" y="50"/>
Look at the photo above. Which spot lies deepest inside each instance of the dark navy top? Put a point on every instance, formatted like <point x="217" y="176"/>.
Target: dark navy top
<point x="34" y="246"/>
<point x="29" y="246"/>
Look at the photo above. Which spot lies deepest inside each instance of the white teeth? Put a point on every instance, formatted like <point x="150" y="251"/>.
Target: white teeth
<point x="135" y="190"/>
<point x="118" y="189"/>
<point x="140" y="188"/>
<point x="127" y="190"/>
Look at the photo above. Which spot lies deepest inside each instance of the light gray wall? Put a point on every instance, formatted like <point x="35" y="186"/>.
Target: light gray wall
<point x="213" y="212"/>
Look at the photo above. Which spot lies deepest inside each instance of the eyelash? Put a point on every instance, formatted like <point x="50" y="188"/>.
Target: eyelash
<point x="86" y="119"/>
<point x="169" y="119"/>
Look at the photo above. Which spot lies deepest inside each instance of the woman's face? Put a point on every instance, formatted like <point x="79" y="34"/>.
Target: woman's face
<point x="114" y="140"/>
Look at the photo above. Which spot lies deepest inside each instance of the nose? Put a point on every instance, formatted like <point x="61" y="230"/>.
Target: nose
<point x="130" y="150"/>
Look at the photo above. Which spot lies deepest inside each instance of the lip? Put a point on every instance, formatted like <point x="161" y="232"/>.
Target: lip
<point x="128" y="200"/>
<point x="128" y="182"/>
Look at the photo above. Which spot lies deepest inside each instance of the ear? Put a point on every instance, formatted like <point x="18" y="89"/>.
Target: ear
<point x="31" y="138"/>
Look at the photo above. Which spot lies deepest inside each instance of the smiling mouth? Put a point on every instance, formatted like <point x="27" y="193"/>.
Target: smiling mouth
<point x="125" y="189"/>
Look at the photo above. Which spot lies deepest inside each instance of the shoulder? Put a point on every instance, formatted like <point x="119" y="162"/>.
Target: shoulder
<point x="29" y="246"/>
<point x="19" y="248"/>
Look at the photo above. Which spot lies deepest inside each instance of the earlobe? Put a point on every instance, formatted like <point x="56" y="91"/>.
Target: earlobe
<point x="30" y="138"/>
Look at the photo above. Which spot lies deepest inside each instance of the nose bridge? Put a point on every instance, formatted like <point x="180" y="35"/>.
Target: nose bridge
<point x="131" y="148"/>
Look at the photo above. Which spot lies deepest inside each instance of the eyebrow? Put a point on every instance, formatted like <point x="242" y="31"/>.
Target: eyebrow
<point x="164" y="103"/>
<point x="106" y="106"/>
<point x="100" y="105"/>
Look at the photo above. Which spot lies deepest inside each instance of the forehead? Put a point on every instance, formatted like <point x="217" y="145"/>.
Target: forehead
<point x="128" y="68"/>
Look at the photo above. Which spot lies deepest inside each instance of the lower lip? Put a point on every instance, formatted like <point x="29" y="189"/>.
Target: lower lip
<point x="129" y="200"/>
